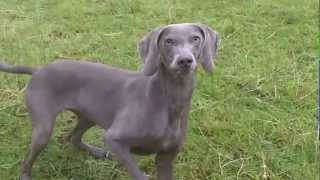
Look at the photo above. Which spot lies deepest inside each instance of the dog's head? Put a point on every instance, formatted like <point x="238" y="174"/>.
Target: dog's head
<point x="179" y="47"/>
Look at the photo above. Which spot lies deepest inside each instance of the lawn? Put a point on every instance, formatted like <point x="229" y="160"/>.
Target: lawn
<point x="253" y="118"/>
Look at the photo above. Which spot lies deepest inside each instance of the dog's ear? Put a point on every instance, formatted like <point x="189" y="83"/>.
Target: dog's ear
<point x="209" y="47"/>
<point x="149" y="51"/>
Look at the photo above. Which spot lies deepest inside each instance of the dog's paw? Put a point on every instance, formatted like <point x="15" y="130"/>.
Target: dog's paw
<point x="25" y="176"/>
<point x="100" y="153"/>
<point x="108" y="155"/>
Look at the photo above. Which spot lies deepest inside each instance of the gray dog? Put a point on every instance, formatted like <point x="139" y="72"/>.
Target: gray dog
<point x="141" y="113"/>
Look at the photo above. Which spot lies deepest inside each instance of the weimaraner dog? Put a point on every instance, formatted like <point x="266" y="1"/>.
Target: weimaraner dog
<point x="141" y="112"/>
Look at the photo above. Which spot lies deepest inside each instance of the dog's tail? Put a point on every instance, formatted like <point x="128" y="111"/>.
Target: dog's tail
<point x="18" y="69"/>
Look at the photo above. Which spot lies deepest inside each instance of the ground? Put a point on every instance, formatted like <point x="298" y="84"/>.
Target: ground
<point x="253" y="118"/>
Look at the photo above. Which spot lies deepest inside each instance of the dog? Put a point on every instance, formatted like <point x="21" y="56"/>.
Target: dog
<point x="141" y="112"/>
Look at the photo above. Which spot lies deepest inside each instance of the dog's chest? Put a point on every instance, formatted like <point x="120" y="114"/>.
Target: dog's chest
<point x="168" y="140"/>
<point x="173" y="130"/>
<point x="163" y="137"/>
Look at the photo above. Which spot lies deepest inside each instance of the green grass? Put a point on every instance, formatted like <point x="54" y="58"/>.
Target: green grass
<point x="254" y="118"/>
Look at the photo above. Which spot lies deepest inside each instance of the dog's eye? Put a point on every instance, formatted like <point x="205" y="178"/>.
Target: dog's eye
<point x="195" y="38"/>
<point x="169" y="41"/>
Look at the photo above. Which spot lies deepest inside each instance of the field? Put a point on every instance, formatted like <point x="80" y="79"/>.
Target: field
<point x="253" y="118"/>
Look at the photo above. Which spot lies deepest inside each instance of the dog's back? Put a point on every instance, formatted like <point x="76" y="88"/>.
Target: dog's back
<point x="79" y="86"/>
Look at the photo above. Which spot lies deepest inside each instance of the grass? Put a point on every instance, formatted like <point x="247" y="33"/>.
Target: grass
<point x="254" y="118"/>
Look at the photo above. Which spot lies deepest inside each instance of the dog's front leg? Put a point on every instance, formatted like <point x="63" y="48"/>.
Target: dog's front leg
<point x="123" y="155"/>
<point x="164" y="161"/>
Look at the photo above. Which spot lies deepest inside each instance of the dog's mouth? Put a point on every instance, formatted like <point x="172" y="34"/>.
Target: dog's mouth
<point x="184" y="70"/>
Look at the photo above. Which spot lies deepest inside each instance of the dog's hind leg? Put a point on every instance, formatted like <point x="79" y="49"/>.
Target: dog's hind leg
<point x="42" y="126"/>
<point x="75" y="138"/>
<point x="43" y="111"/>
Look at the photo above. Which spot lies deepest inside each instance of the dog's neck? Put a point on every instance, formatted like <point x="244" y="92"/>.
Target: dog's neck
<point x="174" y="90"/>
<point x="177" y="88"/>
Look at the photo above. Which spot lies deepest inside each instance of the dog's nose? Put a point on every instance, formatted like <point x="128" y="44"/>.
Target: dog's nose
<point x="185" y="62"/>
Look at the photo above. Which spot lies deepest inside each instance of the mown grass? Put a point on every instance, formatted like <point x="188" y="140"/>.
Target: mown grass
<point x="254" y="118"/>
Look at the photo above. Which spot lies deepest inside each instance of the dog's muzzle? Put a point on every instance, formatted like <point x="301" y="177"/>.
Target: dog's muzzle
<point x="184" y="64"/>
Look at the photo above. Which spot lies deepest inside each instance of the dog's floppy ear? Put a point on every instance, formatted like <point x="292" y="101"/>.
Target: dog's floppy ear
<point x="209" y="47"/>
<point x="149" y="51"/>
